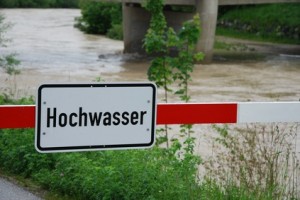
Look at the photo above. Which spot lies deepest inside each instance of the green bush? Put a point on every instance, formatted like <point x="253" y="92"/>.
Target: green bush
<point x="274" y="20"/>
<point x="39" y="3"/>
<point x="99" y="17"/>
<point x="66" y="3"/>
<point x="266" y="15"/>
<point x="17" y="153"/>
<point x="9" y="3"/>
<point x="137" y="174"/>
<point x="116" y="32"/>
<point x="130" y="174"/>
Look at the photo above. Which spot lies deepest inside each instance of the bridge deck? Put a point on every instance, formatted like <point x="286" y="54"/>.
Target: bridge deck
<point x="221" y="2"/>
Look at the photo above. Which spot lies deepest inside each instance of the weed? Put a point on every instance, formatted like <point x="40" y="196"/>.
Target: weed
<point x="8" y="62"/>
<point x="261" y="159"/>
<point x="115" y="32"/>
<point x="98" y="79"/>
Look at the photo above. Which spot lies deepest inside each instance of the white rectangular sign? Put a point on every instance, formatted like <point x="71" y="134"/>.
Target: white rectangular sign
<point x="83" y="117"/>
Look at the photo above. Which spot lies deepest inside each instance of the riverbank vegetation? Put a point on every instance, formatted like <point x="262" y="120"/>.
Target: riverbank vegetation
<point x="278" y="23"/>
<point x="132" y="174"/>
<point x="273" y="22"/>
<point x="101" y="18"/>
<point x="39" y="4"/>
<point x="8" y="63"/>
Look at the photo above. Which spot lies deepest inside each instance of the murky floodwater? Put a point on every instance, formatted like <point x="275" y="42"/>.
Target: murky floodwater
<point x="52" y="50"/>
<point x="47" y="40"/>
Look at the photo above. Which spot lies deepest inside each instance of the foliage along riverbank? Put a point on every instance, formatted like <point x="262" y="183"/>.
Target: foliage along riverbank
<point x="101" y="18"/>
<point x="39" y="3"/>
<point x="271" y="22"/>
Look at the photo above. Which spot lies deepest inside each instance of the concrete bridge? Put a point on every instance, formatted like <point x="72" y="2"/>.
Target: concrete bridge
<point x="136" y="20"/>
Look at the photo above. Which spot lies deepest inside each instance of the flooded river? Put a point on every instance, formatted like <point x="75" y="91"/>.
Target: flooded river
<point x="52" y="50"/>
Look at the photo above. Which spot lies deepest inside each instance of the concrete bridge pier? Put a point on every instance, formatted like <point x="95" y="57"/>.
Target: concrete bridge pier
<point x="136" y="22"/>
<point x="135" y="25"/>
<point x="208" y="10"/>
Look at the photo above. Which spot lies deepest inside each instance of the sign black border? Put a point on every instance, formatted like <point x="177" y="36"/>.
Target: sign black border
<point x="92" y="147"/>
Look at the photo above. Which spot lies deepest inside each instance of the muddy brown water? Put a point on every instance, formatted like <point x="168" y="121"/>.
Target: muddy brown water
<point x="51" y="50"/>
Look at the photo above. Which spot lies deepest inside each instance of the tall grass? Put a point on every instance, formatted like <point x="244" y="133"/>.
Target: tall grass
<point x="261" y="159"/>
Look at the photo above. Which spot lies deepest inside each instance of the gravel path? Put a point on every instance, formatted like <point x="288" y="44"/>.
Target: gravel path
<point x="10" y="191"/>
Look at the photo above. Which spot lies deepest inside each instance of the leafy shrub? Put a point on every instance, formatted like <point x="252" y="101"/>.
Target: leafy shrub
<point x="66" y="3"/>
<point x="17" y="153"/>
<point x="98" y="17"/>
<point x="116" y="32"/>
<point x="132" y="174"/>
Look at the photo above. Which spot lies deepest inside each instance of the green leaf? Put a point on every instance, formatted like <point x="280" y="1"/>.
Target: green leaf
<point x="199" y="56"/>
<point x="181" y="91"/>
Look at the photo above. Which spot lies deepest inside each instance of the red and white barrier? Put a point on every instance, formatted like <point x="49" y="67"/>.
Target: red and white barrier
<point x="268" y="112"/>
<point x="20" y="116"/>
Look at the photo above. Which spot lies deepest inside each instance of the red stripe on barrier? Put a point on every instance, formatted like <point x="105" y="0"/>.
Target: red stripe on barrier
<point x="24" y="116"/>
<point x="196" y="113"/>
<point x="17" y="116"/>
